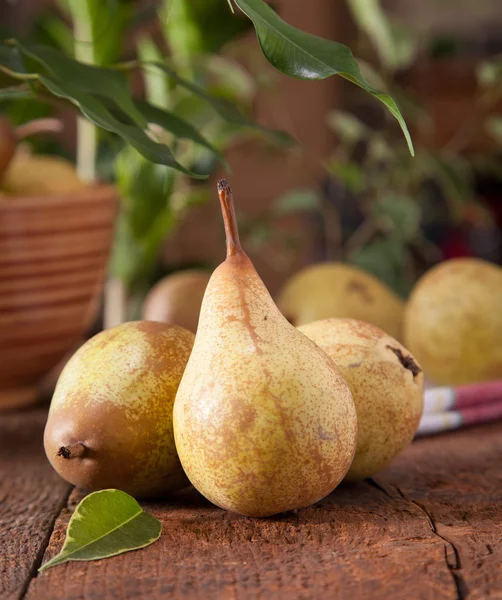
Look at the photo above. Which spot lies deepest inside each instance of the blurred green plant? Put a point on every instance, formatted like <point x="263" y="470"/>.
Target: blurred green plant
<point x="197" y="102"/>
<point x="391" y="191"/>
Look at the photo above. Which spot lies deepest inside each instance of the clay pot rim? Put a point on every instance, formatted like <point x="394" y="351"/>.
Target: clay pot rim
<point x="89" y="194"/>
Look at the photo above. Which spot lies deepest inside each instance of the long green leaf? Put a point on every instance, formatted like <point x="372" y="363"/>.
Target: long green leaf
<point x="227" y="111"/>
<point x="156" y="81"/>
<point x="105" y="524"/>
<point x="371" y="18"/>
<point x="178" y="127"/>
<point x="97" y="112"/>
<point x="305" y="56"/>
<point x="108" y="83"/>
<point x="144" y="189"/>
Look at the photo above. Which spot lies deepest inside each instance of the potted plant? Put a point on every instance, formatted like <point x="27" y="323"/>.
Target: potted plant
<point x="156" y="129"/>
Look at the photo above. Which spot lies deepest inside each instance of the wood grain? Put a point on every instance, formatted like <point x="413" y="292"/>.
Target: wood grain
<point x="428" y="527"/>
<point x="31" y="497"/>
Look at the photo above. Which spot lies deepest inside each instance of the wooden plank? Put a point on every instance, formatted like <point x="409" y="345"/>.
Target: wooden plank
<point x="430" y="526"/>
<point x="455" y="481"/>
<point x="31" y="497"/>
<point x="427" y="527"/>
<point x="357" y="542"/>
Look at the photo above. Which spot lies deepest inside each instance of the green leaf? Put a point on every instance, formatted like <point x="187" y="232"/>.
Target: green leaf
<point x="227" y="110"/>
<point x="401" y="213"/>
<point x="100" y="81"/>
<point x="371" y="19"/>
<point x="348" y="127"/>
<point x="97" y="112"/>
<point x="386" y="259"/>
<point x="144" y="189"/>
<point x="15" y="94"/>
<point x="156" y="82"/>
<point x="349" y="173"/>
<point x="200" y="26"/>
<point x="147" y="216"/>
<point x="105" y="524"/>
<point x="178" y="127"/>
<point x="395" y="44"/>
<point x="305" y="56"/>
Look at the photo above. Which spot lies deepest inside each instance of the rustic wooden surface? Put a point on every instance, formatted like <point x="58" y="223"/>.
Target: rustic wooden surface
<point x="430" y="526"/>
<point x="31" y="498"/>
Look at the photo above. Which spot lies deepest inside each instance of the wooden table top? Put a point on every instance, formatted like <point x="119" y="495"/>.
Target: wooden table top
<point x="430" y="526"/>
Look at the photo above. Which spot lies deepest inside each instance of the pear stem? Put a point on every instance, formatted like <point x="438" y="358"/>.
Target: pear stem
<point x="71" y="451"/>
<point x="227" y="207"/>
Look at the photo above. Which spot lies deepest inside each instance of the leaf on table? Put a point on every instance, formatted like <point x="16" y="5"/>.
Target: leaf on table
<point x="306" y="56"/>
<point x="105" y="524"/>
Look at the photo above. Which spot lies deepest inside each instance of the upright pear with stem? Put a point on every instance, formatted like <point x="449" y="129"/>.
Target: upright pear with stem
<point x="263" y="420"/>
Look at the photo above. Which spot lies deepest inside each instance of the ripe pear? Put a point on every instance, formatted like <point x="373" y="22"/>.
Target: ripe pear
<point x="332" y="289"/>
<point x="110" y="422"/>
<point x="40" y="175"/>
<point x="387" y="385"/>
<point x="453" y="322"/>
<point x="263" y="420"/>
<point x="177" y="299"/>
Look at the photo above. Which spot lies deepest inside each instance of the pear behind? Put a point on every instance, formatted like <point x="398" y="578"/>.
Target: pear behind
<point x="336" y="290"/>
<point x="177" y="299"/>
<point x="453" y="322"/>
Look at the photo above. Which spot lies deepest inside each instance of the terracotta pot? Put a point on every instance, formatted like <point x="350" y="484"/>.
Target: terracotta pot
<point x="53" y="257"/>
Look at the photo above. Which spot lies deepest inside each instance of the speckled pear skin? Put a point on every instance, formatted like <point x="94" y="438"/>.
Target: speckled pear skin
<point x="115" y="397"/>
<point x="387" y="385"/>
<point x="453" y="322"/>
<point x="263" y="421"/>
<point x="335" y="290"/>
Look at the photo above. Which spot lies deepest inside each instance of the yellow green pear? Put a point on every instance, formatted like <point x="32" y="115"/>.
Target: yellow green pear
<point x="453" y="322"/>
<point x="110" y="422"/>
<point x="40" y="175"/>
<point x="263" y="420"/>
<point x="332" y="289"/>
<point x="177" y="299"/>
<point x="387" y="385"/>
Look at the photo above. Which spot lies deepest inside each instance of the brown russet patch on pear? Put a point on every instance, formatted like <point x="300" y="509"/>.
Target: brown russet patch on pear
<point x="361" y="289"/>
